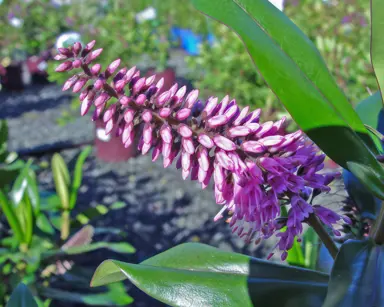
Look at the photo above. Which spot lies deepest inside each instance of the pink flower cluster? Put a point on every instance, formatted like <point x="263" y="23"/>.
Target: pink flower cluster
<point x="256" y="167"/>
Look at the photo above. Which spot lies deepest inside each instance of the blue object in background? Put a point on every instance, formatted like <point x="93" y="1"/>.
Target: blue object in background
<point x="189" y="41"/>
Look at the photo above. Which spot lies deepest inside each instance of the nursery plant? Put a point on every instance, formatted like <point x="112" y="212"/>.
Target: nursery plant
<point x="265" y="180"/>
<point x="45" y="235"/>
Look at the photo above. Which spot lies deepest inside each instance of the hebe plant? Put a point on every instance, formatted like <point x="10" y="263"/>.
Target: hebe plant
<point x="257" y="169"/>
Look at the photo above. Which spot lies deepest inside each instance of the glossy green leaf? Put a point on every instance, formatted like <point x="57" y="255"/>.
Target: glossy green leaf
<point x="120" y="247"/>
<point x="357" y="277"/>
<point x="11" y="216"/>
<point x="21" y="297"/>
<point x="377" y="42"/>
<point x="369" y="110"/>
<point x="78" y="175"/>
<point x="295" y="71"/>
<point x="199" y="275"/>
<point x="368" y="178"/>
<point x="61" y="178"/>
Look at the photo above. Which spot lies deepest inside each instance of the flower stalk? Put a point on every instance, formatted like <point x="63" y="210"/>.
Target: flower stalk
<point x="328" y="242"/>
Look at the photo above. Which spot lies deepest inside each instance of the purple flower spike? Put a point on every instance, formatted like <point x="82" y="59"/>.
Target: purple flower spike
<point x="256" y="168"/>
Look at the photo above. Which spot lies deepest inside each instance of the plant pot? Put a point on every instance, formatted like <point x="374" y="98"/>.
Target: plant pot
<point x="109" y="148"/>
<point x="13" y="80"/>
<point x="168" y="74"/>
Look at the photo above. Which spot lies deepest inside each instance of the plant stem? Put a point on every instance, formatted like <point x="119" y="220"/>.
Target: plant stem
<point x="315" y="223"/>
<point x="377" y="233"/>
<point x="65" y="221"/>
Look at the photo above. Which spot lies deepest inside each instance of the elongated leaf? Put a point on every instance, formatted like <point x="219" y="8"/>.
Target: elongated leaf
<point x="199" y="275"/>
<point x="27" y="211"/>
<point x="33" y="191"/>
<point x="8" y="173"/>
<point x="368" y="204"/>
<point x="84" y="217"/>
<point x="78" y="175"/>
<point x="357" y="277"/>
<point x="368" y="178"/>
<point x="11" y="217"/>
<point x="44" y="225"/>
<point x="21" y="297"/>
<point x="370" y="110"/>
<point x="114" y="296"/>
<point x="377" y="42"/>
<point x="296" y="73"/>
<point x="62" y="179"/>
<point x="3" y="136"/>
<point x="82" y="237"/>
<point x="26" y="183"/>
<point x="122" y="247"/>
<point x="21" y="184"/>
<point x="87" y="215"/>
<point x="371" y="113"/>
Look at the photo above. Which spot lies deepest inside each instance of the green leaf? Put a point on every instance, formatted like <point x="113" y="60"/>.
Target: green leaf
<point x="194" y="274"/>
<point x="21" y="297"/>
<point x="21" y="184"/>
<point x="11" y="216"/>
<point x="296" y="255"/>
<point x="295" y="71"/>
<point x="62" y="179"/>
<point x="311" y="248"/>
<point x="357" y="276"/>
<point x="3" y="136"/>
<point x="84" y="217"/>
<point x="9" y="172"/>
<point x="368" y="178"/>
<point x="377" y="42"/>
<point x="78" y="175"/>
<point x="44" y="225"/>
<point x="33" y="191"/>
<point x="369" y="111"/>
<point x="120" y="247"/>
<point x="365" y="201"/>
